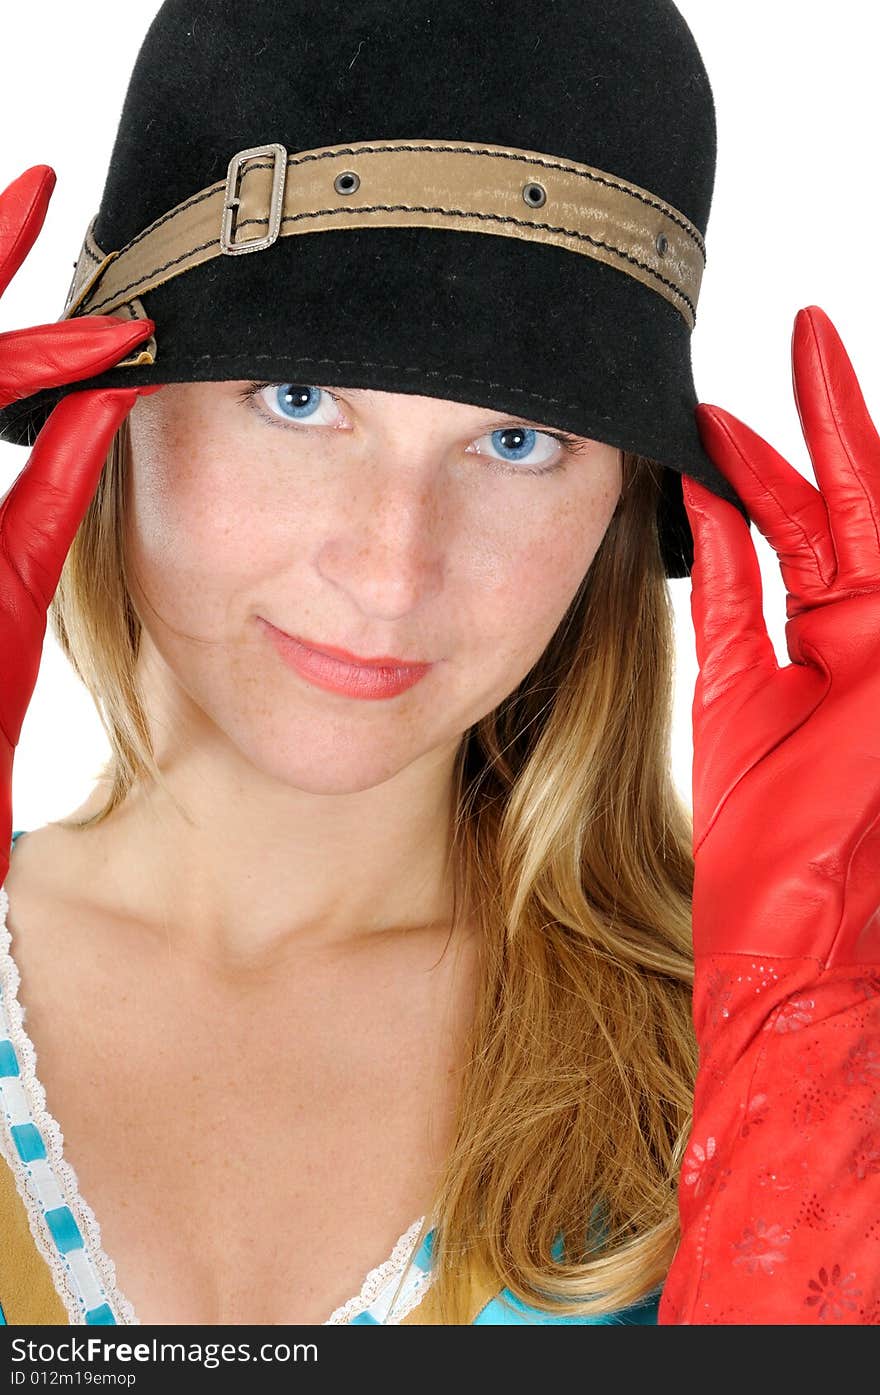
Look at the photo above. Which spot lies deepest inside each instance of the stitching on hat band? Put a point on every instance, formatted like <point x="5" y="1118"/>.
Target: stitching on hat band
<point x="474" y="189"/>
<point x="113" y="301"/>
<point x="496" y="152"/>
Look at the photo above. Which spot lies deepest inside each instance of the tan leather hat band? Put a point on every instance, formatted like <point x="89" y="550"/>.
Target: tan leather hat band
<point x="457" y="185"/>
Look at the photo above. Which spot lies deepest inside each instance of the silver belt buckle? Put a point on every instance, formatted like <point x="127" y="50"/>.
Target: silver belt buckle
<point x="232" y="202"/>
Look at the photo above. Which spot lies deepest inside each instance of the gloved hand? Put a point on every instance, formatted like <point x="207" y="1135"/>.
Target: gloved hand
<point x="40" y="514"/>
<point x="779" y="1195"/>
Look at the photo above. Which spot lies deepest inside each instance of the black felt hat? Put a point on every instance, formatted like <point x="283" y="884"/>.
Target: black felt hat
<point x="516" y="194"/>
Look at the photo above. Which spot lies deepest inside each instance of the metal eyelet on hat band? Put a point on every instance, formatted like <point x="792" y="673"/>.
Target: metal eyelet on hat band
<point x="347" y="183"/>
<point x="534" y="194"/>
<point x="231" y="201"/>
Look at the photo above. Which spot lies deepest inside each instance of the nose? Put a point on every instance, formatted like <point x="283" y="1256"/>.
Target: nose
<point x="388" y="553"/>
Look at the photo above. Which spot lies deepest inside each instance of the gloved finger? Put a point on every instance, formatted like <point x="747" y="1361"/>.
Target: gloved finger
<point x="23" y="206"/>
<point x="726" y="595"/>
<point x="843" y="444"/>
<point x="790" y="512"/>
<point x="47" y="356"/>
<point x="42" y="512"/>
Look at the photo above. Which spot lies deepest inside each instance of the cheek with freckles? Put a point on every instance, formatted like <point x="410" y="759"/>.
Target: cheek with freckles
<point x="192" y="542"/>
<point x="196" y="552"/>
<point x="535" y="576"/>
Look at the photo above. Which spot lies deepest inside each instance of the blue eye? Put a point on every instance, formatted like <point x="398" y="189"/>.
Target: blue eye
<point x="518" y="442"/>
<point x="278" y="403"/>
<point x="524" y="440"/>
<point x="289" y="402"/>
<point x="515" y="441"/>
<point x="295" y="401"/>
<point x="298" y="401"/>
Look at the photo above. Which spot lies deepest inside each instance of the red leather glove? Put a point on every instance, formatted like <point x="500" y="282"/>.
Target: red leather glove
<point x="779" y="1195"/>
<point x="40" y="514"/>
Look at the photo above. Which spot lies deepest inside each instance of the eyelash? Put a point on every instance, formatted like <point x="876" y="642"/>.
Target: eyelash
<point x="571" y="444"/>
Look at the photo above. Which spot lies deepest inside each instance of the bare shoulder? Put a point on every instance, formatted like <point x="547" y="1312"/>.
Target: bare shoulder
<point x="64" y="914"/>
<point x="51" y="863"/>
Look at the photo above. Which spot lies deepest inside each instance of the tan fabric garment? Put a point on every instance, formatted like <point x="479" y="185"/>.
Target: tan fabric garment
<point x="27" y="1290"/>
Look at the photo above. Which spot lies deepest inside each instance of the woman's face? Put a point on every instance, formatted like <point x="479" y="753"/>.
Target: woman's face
<point x="381" y="523"/>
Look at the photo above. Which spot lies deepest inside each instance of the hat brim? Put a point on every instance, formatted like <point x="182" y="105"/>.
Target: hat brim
<point x="479" y="318"/>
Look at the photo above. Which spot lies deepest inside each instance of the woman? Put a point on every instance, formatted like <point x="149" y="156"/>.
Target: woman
<point x="322" y="873"/>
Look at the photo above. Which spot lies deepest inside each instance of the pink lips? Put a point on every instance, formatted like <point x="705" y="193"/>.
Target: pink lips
<point x="333" y="670"/>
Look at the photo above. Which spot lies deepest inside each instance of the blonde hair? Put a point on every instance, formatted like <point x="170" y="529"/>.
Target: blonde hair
<point x="572" y="855"/>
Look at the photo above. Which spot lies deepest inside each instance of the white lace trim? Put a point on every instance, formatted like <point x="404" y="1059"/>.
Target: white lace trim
<point x="64" y="1279"/>
<point x="420" y="1285"/>
<point x="377" y="1279"/>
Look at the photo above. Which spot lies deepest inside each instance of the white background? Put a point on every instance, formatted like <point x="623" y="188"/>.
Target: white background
<point x="794" y="223"/>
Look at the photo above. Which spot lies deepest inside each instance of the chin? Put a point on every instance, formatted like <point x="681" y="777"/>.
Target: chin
<point x="333" y="766"/>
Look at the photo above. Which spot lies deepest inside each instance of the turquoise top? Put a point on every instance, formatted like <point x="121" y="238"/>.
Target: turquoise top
<point x="97" y="1306"/>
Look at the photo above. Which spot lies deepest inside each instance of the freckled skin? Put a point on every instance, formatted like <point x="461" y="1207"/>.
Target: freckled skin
<point x="375" y="530"/>
<point x="392" y="526"/>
